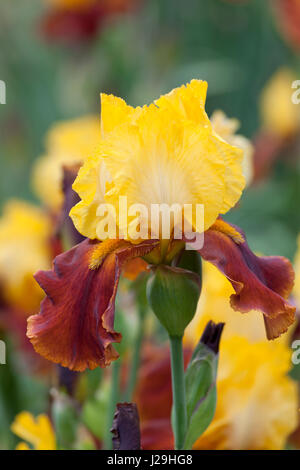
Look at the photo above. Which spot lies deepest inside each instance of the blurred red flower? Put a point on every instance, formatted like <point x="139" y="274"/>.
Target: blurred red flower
<point x="67" y="23"/>
<point x="288" y="14"/>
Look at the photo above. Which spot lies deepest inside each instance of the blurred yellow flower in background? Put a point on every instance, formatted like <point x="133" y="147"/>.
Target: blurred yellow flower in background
<point x="67" y="143"/>
<point x="257" y="405"/>
<point x="37" y="431"/>
<point x="214" y="304"/>
<point x="24" y="248"/>
<point x="167" y="152"/>
<point x="72" y="4"/>
<point x="226" y="128"/>
<point x="280" y="116"/>
<point x="257" y="402"/>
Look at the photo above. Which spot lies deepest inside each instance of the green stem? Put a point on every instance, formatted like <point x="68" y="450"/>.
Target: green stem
<point x="113" y="400"/>
<point x="179" y="421"/>
<point x="135" y="357"/>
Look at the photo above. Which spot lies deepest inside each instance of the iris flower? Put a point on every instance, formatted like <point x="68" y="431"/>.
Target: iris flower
<point x="168" y="153"/>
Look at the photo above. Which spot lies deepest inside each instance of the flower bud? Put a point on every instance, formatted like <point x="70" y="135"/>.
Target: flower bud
<point x="200" y="383"/>
<point x="173" y="294"/>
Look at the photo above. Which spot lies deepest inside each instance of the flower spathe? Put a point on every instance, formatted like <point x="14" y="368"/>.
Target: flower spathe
<point x="36" y="431"/>
<point x="165" y="153"/>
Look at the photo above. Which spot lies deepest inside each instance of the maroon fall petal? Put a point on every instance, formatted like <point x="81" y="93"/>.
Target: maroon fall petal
<point x="260" y="283"/>
<point x="75" y="326"/>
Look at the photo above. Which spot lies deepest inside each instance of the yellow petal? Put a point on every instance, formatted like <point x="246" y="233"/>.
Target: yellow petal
<point x="37" y="431"/>
<point x="226" y="128"/>
<point x="257" y="401"/>
<point x="24" y="249"/>
<point x="67" y="143"/>
<point x="279" y="114"/>
<point x="91" y="183"/>
<point x="187" y="101"/>
<point x="22" y="446"/>
<point x="166" y="153"/>
<point x="114" y="111"/>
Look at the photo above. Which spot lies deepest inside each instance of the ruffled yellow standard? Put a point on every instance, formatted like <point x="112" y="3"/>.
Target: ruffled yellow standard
<point x="167" y="152"/>
<point x="226" y="128"/>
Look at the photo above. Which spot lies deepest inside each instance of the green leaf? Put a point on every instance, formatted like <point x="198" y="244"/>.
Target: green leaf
<point x="65" y="421"/>
<point x="94" y="412"/>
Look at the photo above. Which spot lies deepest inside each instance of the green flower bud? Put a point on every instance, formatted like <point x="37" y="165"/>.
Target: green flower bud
<point x="173" y="294"/>
<point x="189" y="260"/>
<point x="200" y="383"/>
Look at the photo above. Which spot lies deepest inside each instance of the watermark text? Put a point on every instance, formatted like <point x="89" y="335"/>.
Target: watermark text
<point x="156" y="221"/>
<point x="2" y="352"/>
<point x="2" y="92"/>
<point x="296" y="94"/>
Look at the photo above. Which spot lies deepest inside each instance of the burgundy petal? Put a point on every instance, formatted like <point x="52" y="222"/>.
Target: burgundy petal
<point x="75" y="326"/>
<point x="260" y="283"/>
